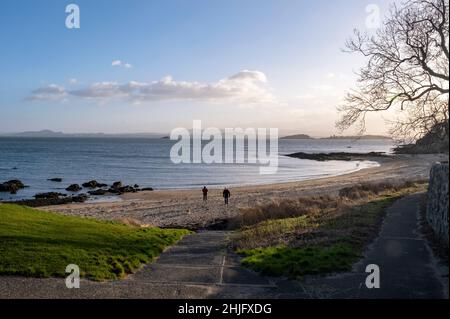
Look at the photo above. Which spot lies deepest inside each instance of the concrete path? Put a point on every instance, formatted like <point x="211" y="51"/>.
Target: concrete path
<point x="201" y="266"/>
<point x="407" y="266"/>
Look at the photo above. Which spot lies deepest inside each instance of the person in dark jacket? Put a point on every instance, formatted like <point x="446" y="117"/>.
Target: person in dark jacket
<point x="226" y="195"/>
<point x="205" y="193"/>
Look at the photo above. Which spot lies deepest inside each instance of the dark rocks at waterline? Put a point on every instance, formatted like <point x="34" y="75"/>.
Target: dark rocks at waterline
<point x="11" y="186"/>
<point x="128" y="189"/>
<point x="98" y="192"/>
<point x="73" y="188"/>
<point x="38" y="202"/>
<point x="147" y="189"/>
<point x="49" y="195"/>
<point x="340" y="156"/>
<point x="118" y="189"/>
<point x="94" y="184"/>
<point x="55" y="179"/>
<point x="14" y="183"/>
<point x="116" y="185"/>
<point x="90" y="184"/>
<point x="123" y="189"/>
<point x="79" y="198"/>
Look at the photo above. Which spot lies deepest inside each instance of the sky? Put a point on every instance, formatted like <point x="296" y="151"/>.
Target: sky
<point x="152" y="66"/>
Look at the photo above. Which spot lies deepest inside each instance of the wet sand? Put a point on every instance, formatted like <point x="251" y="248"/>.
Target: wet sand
<point x="185" y="208"/>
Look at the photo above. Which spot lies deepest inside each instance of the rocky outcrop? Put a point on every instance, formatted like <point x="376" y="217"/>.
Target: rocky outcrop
<point x="98" y="192"/>
<point x="50" y="195"/>
<point x="55" y="179"/>
<point x="117" y="188"/>
<point x="94" y="184"/>
<point x="123" y="189"/>
<point x="117" y="185"/>
<point x="11" y="186"/>
<point x="73" y="188"/>
<point x="79" y="198"/>
<point x="51" y="200"/>
<point x="437" y="203"/>
<point x="340" y="156"/>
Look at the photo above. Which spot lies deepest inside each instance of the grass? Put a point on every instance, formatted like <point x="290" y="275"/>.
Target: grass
<point x="41" y="244"/>
<point x="295" y="262"/>
<point x="327" y="234"/>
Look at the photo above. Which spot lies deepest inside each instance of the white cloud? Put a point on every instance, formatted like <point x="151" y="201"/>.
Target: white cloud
<point x="73" y="81"/>
<point x="119" y="63"/>
<point x="52" y="92"/>
<point x="99" y="90"/>
<point x="245" y="87"/>
<point x="245" y="75"/>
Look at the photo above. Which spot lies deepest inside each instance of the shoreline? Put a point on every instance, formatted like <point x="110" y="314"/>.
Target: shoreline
<point x="362" y="161"/>
<point x="184" y="208"/>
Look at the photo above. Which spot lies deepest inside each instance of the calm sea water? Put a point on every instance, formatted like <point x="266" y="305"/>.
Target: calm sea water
<point x="146" y="162"/>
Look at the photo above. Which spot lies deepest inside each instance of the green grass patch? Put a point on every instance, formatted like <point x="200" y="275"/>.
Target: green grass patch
<point x="297" y="262"/>
<point x="41" y="244"/>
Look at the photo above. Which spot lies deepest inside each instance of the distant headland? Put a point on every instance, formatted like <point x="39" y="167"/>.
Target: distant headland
<point x="337" y="137"/>
<point x="53" y="134"/>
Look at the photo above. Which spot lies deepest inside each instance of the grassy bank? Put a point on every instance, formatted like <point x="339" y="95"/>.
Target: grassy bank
<point x="314" y="235"/>
<point x="42" y="244"/>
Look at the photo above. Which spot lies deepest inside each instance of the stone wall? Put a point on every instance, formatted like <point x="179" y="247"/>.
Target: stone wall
<point x="437" y="205"/>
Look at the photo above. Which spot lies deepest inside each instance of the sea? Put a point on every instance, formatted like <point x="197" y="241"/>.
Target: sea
<point x="147" y="163"/>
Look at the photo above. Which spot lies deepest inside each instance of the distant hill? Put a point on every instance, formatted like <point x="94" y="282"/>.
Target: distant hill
<point x="42" y="133"/>
<point x="49" y="133"/>
<point x="358" y="137"/>
<point x="297" y="137"/>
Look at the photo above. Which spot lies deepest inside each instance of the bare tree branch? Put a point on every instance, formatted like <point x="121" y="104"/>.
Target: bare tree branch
<point x="407" y="66"/>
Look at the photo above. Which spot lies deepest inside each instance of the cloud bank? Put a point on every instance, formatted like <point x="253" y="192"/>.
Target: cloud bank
<point x="244" y="87"/>
<point x="52" y="92"/>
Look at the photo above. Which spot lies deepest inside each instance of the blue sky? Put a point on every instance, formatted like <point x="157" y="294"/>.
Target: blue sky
<point x="272" y="63"/>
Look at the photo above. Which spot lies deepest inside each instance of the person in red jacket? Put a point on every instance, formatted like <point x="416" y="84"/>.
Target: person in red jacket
<point x="205" y="193"/>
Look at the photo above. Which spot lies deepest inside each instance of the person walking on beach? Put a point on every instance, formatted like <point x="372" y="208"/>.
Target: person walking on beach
<point x="205" y="193"/>
<point x="226" y="195"/>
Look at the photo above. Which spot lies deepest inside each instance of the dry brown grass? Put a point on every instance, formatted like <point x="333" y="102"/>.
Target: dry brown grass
<point x="279" y="209"/>
<point x="133" y="222"/>
<point x="364" y="190"/>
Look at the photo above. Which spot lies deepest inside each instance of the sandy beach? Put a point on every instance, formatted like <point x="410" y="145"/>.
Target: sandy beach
<point x="185" y="208"/>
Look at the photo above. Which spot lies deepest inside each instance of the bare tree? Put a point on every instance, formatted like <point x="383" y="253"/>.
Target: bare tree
<point x="427" y="116"/>
<point x="407" y="69"/>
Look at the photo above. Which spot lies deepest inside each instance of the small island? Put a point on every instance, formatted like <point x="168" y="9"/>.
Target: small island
<point x="297" y="137"/>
